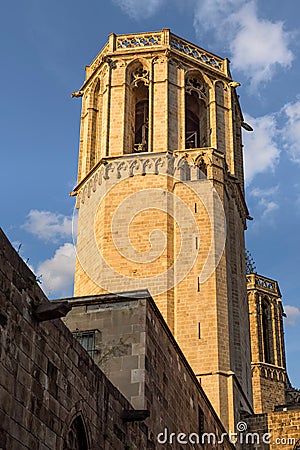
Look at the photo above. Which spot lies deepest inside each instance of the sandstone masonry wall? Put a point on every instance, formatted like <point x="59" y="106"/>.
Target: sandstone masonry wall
<point x="48" y="381"/>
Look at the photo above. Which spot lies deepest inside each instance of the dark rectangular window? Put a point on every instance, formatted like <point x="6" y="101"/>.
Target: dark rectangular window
<point x="199" y="330"/>
<point x="87" y="340"/>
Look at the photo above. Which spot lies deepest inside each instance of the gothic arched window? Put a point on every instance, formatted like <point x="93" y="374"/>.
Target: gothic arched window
<point x="196" y="123"/>
<point x="203" y="168"/>
<point x="76" y="437"/>
<point x="140" y="96"/>
<point x="141" y="126"/>
<point x="184" y="170"/>
<point x="267" y="331"/>
<point x="94" y="111"/>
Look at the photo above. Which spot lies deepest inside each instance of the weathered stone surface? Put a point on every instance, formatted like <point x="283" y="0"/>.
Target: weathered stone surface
<point x="49" y="380"/>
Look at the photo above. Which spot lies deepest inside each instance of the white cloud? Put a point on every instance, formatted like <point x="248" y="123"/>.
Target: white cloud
<point x="271" y="133"/>
<point x="213" y="14"/>
<point x="293" y="313"/>
<point x="291" y="132"/>
<point x="268" y="207"/>
<point x="47" y="225"/>
<point x="57" y="273"/>
<point x="137" y="9"/>
<point x="261" y="148"/>
<point x="266" y="204"/>
<point x="263" y="193"/>
<point x="257" y="46"/>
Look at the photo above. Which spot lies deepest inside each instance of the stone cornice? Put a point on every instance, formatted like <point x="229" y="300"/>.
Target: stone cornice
<point x="155" y="163"/>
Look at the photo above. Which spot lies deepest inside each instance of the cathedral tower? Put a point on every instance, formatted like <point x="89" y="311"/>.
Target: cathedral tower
<point x="161" y="201"/>
<point x="269" y="377"/>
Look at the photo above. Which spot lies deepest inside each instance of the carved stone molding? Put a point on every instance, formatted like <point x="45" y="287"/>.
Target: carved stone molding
<point x="194" y="84"/>
<point x="138" y="40"/>
<point x="263" y="284"/>
<point x="111" y="63"/>
<point x="99" y="59"/>
<point x="132" y="165"/>
<point x="195" y="52"/>
<point x="269" y="372"/>
<point x="140" y="75"/>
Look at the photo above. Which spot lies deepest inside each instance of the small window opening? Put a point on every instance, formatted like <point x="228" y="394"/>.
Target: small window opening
<point x="87" y="340"/>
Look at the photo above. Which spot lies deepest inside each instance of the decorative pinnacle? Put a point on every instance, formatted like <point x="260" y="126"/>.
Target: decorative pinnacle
<point x="250" y="263"/>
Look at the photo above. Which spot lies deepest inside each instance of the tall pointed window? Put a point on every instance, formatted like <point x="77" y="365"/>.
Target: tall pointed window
<point x="196" y="121"/>
<point x="141" y="126"/>
<point x="76" y="438"/>
<point x="140" y="91"/>
<point x="267" y="331"/>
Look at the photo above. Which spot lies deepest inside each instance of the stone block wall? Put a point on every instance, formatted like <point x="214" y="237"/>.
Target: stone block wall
<point x="47" y="379"/>
<point x="278" y="430"/>
<point x="52" y="392"/>
<point x="151" y="371"/>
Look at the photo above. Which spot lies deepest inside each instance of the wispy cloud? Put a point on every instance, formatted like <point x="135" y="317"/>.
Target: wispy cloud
<point x="257" y="46"/>
<point x="263" y="193"/>
<point x="272" y="134"/>
<point x="57" y="273"/>
<point x="48" y="226"/>
<point x="266" y="203"/>
<point x="137" y="9"/>
<point x="293" y="314"/>
<point x="261" y="148"/>
<point x="213" y="14"/>
<point x="291" y="131"/>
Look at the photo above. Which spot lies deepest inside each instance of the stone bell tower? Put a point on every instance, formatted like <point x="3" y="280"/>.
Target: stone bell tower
<point x="161" y="203"/>
<point x="269" y="376"/>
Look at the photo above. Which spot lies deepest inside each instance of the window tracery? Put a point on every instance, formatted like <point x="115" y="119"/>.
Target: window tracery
<point x="196" y="114"/>
<point x="139" y="81"/>
<point x="76" y="438"/>
<point x="140" y="75"/>
<point x="267" y="331"/>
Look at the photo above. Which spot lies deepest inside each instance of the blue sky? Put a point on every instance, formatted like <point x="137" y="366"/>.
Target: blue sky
<point x="45" y="47"/>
